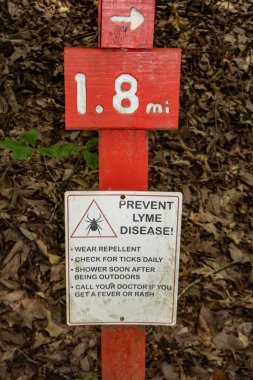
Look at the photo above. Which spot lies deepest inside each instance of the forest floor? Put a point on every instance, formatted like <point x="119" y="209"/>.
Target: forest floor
<point x="209" y="159"/>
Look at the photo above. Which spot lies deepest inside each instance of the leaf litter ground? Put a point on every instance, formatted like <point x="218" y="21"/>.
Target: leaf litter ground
<point x="209" y="159"/>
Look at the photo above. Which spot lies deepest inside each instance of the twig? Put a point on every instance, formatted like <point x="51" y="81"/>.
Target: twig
<point x="223" y="48"/>
<point x="52" y="214"/>
<point x="45" y="163"/>
<point x="57" y="375"/>
<point x="4" y="174"/>
<point x="220" y="269"/>
<point x="27" y="357"/>
<point x="46" y="369"/>
<point x="216" y="132"/>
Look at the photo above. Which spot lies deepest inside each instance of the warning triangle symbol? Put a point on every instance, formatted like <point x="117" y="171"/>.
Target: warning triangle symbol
<point x="93" y="224"/>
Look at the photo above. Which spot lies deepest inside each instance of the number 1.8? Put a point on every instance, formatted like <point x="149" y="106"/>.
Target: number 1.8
<point x="121" y="94"/>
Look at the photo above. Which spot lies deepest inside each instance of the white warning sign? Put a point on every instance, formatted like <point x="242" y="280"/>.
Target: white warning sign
<point x="122" y="257"/>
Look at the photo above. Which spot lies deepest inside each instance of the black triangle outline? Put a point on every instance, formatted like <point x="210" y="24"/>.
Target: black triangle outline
<point x="100" y="236"/>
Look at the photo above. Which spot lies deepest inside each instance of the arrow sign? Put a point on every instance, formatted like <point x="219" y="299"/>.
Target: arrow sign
<point x="136" y="19"/>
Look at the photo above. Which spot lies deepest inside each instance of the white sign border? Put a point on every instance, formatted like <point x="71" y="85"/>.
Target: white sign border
<point x="119" y="193"/>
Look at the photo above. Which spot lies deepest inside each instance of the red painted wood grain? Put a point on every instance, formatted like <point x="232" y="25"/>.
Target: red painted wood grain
<point x="123" y="351"/>
<point x="157" y="76"/>
<point x="123" y="165"/>
<point x="119" y="34"/>
<point x="123" y="160"/>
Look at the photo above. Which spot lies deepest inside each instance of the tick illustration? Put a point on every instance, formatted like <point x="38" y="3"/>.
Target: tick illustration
<point x="94" y="224"/>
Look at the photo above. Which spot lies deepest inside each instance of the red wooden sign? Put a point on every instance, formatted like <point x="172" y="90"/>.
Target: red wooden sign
<point x="108" y="89"/>
<point x="120" y="91"/>
<point x="128" y="24"/>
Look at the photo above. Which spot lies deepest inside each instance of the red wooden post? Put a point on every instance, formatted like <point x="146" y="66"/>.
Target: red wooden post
<point x="123" y="165"/>
<point x="123" y="93"/>
<point x="123" y="353"/>
<point x="123" y="160"/>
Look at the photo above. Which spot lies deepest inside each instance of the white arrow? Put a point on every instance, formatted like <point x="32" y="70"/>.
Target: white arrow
<point x="136" y="19"/>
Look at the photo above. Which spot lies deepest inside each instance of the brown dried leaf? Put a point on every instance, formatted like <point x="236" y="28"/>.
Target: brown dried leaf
<point x="9" y="284"/>
<point x="169" y="372"/>
<point x="8" y="355"/>
<point x="16" y="248"/>
<point x="3" y="106"/>
<point x="219" y="374"/>
<point x="52" y="328"/>
<point x="10" y="270"/>
<point x="85" y="364"/>
<point x="53" y="259"/>
<point x="187" y="195"/>
<point x="224" y="341"/>
<point x="57" y="272"/>
<point x="236" y="236"/>
<point x="247" y="177"/>
<point x="237" y="254"/>
<point x="80" y="349"/>
<point x="12" y="337"/>
<point x="206" y="217"/>
<point x="15" y="296"/>
<point x="39" y="340"/>
<point x="245" y="328"/>
<point x="28" y="234"/>
<point x="36" y="308"/>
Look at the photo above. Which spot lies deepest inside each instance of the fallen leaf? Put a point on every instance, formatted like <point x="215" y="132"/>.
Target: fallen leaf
<point x="80" y="349"/>
<point x="53" y="259"/>
<point x="85" y="364"/>
<point x="28" y="234"/>
<point x="17" y="247"/>
<point x="169" y="372"/>
<point x="224" y="341"/>
<point x="237" y="254"/>
<point x="246" y="177"/>
<point x="39" y="340"/>
<point x="52" y="328"/>
<point x="219" y="374"/>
